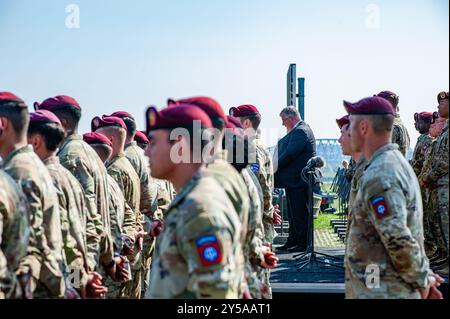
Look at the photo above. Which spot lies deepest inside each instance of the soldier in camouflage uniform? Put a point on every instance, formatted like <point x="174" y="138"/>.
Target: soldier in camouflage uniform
<point x="438" y="174"/>
<point x="218" y="164"/>
<point x="423" y="121"/>
<point x="44" y="258"/>
<point x="45" y="134"/>
<point x="14" y="235"/>
<point x="198" y="253"/>
<point x="257" y="254"/>
<point x="250" y="118"/>
<point x="81" y="160"/>
<point x="148" y="204"/>
<point x="121" y="170"/>
<point x="400" y="134"/>
<point x="123" y="218"/>
<point x="385" y="257"/>
<point x="434" y="241"/>
<point x="357" y="163"/>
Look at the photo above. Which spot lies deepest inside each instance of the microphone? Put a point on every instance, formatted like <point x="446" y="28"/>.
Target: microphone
<point x="316" y="162"/>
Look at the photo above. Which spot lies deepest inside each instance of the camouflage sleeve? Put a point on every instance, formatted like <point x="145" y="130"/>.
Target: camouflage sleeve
<point x="149" y="194"/>
<point x="206" y="250"/>
<point x="415" y="162"/>
<point x="8" y="281"/>
<point x="129" y="223"/>
<point x="427" y="162"/>
<point x="92" y="240"/>
<point x="388" y="213"/>
<point x="73" y="253"/>
<point x="261" y="170"/>
<point x="255" y="235"/>
<point x="40" y="259"/>
<point x="439" y="164"/>
<point x="80" y="171"/>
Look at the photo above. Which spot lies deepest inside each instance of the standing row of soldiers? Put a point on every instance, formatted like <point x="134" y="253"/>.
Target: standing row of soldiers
<point x="89" y="216"/>
<point x="398" y="214"/>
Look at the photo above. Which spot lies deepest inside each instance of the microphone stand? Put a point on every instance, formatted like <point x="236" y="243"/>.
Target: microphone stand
<point x="310" y="256"/>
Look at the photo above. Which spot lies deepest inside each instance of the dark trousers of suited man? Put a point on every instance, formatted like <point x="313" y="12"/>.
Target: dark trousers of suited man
<point x="298" y="215"/>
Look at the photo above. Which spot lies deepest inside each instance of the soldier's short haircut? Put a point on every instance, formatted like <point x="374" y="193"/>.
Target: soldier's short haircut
<point x="218" y="122"/>
<point x="130" y="124"/>
<point x="103" y="150"/>
<point x="70" y="113"/>
<point x="254" y="119"/>
<point x="52" y="133"/>
<point x="17" y="114"/>
<point x="381" y="124"/>
<point x="290" y="111"/>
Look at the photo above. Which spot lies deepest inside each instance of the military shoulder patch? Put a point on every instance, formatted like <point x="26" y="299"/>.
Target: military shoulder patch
<point x="209" y="250"/>
<point x="254" y="167"/>
<point x="380" y="207"/>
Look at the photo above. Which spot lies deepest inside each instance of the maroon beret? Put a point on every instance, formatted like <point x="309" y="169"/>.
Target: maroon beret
<point x="181" y="115"/>
<point x="233" y="122"/>
<point x="57" y="102"/>
<point x="374" y="105"/>
<point x="44" y="116"/>
<point x="234" y="126"/>
<point x="9" y="97"/>
<point x="442" y="96"/>
<point x="423" y="115"/>
<point x="244" y="110"/>
<point x="343" y="121"/>
<point x="140" y="137"/>
<point x="207" y="104"/>
<point x="96" y="138"/>
<point x="388" y="95"/>
<point x="122" y="114"/>
<point x="104" y="121"/>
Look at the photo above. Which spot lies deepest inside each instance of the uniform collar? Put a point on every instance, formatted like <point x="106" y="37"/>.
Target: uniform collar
<point x="381" y="150"/>
<point x="51" y="160"/>
<point x="185" y="190"/>
<point x="114" y="159"/>
<point x="26" y="149"/>
<point x="70" y="138"/>
<point x="129" y="144"/>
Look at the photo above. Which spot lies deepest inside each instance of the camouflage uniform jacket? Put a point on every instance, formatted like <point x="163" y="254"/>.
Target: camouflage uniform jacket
<point x="45" y="251"/>
<point x="438" y="173"/>
<point x="74" y="218"/>
<point x="423" y="143"/>
<point x="83" y="162"/>
<point x="400" y="135"/>
<point x="263" y="170"/>
<point x="253" y="244"/>
<point x="14" y="235"/>
<point x="123" y="218"/>
<point x="195" y="255"/>
<point x="386" y="234"/>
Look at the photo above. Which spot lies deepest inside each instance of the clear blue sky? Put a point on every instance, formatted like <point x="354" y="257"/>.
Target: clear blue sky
<point x="129" y="54"/>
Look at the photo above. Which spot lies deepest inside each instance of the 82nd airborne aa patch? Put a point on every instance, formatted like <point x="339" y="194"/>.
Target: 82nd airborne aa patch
<point x="380" y="207"/>
<point x="209" y="250"/>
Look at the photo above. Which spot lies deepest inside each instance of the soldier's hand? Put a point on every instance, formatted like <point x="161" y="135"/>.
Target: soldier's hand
<point x="276" y="215"/>
<point x="94" y="287"/>
<point x="139" y="238"/>
<point x="270" y="260"/>
<point x="122" y="274"/>
<point x="71" y="293"/>
<point x="156" y="228"/>
<point x="431" y="291"/>
<point x="25" y="285"/>
<point x="127" y="251"/>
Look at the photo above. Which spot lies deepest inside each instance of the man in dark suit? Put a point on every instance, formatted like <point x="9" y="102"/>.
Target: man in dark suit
<point x="291" y="156"/>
